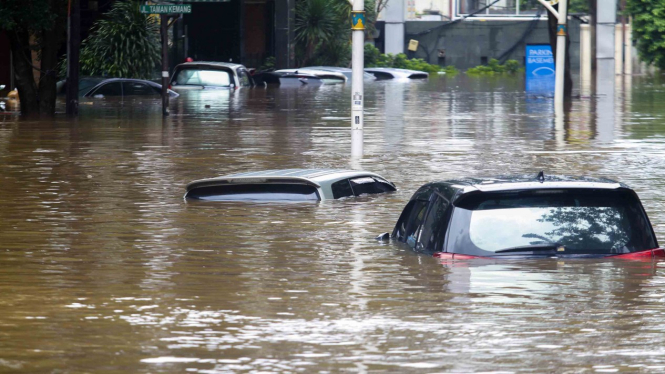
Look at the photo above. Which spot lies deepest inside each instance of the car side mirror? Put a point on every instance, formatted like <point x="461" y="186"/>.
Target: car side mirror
<point x="383" y="237"/>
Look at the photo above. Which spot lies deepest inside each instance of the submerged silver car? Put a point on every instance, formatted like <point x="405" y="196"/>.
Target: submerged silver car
<point x="289" y="185"/>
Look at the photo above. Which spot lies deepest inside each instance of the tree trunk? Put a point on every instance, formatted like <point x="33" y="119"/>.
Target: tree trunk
<point x="49" y="76"/>
<point x="50" y="46"/>
<point x="568" y="76"/>
<point x="25" y="80"/>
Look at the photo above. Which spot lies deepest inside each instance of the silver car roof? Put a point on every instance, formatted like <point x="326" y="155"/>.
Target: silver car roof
<point x="319" y="178"/>
<point x="396" y="71"/>
<point x="212" y="63"/>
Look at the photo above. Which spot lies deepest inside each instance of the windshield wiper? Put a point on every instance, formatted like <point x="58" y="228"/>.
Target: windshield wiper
<point x="532" y="248"/>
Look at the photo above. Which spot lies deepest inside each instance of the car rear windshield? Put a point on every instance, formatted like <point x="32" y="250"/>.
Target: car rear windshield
<point x="203" y="77"/>
<point x="582" y="221"/>
<point x="255" y="192"/>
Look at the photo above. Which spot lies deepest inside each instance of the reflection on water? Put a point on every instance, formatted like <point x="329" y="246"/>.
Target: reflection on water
<point x="105" y="268"/>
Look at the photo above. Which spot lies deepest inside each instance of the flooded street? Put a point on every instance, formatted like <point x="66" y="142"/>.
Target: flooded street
<point x="104" y="268"/>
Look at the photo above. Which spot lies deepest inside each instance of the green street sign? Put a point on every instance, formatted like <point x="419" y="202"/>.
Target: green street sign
<point x="165" y="9"/>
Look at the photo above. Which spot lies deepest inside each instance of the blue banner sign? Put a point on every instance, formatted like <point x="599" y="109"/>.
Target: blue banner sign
<point x="539" y="69"/>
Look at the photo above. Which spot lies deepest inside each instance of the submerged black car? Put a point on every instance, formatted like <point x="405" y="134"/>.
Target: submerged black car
<point x="527" y="216"/>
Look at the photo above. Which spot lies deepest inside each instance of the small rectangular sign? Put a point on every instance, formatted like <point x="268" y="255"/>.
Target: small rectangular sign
<point x="166" y="9"/>
<point x="539" y="69"/>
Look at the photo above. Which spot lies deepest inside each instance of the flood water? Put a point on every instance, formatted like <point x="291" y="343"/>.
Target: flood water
<point x="104" y="268"/>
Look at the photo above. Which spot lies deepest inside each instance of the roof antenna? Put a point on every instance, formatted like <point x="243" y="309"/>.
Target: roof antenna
<point x="541" y="177"/>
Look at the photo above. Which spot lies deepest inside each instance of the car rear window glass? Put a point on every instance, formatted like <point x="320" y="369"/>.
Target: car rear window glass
<point x="202" y="77"/>
<point x="370" y="185"/>
<point x="255" y="192"/>
<point x="582" y="221"/>
<point x="136" y="88"/>
<point x="109" y="89"/>
<point x="341" y="189"/>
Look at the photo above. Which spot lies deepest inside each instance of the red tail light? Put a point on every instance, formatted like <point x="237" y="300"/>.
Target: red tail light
<point x="643" y="255"/>
<point x="453" y="256"/>
<point x="169" y="86"/>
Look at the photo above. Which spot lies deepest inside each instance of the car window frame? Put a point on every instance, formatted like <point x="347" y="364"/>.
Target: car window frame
<point x="412" y="228"/>
<point x="93" y="91"/>
<point x="246" y="73"/>
<point x="377" y="180"/>
<point x="341" y="181"/>
<point x="435" y="197"/>
<point x="151" y="88"/>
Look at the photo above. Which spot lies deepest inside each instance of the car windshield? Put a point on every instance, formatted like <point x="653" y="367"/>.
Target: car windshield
<point x="197" y="77"/>
<point x="580" y="221"/>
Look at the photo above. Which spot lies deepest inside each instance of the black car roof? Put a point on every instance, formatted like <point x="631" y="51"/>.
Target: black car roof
<point x="518" y="182"/>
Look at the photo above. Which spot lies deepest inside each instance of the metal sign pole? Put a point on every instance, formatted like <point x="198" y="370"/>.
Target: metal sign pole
<point x="357" y="65"/>
<point x="165" y="64"/>
<point x="561" y="34"/>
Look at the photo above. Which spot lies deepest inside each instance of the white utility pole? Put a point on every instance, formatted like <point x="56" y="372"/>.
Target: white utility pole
<point x="357" y="88"/>
<point x="561" y="34"/>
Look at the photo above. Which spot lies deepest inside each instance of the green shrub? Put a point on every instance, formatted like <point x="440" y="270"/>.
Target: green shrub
<point x="649" y="30"/>
<point x="374" y="58"/>
<point x="511" y="67"/>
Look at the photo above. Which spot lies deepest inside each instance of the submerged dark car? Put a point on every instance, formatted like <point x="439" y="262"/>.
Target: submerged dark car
<point x="117" y="87"/>
<point x="527" y="216"/>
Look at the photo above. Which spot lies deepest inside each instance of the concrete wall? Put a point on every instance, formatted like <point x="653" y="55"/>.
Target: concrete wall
<point x="467" y="43"/>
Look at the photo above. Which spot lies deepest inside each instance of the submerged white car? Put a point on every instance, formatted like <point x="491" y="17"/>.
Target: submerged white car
<point x="394" y="73"/>
<point x="210" y="75"/>
<point x="289" y="185"/>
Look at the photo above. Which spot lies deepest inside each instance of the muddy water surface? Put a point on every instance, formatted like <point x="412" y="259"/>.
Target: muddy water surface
<point x="104" y="268"/>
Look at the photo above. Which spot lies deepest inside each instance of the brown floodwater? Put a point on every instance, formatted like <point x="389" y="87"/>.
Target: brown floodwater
<point x="104" y="268"/>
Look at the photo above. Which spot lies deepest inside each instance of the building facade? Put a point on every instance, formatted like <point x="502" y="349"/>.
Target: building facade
<point x="244" y="31"/>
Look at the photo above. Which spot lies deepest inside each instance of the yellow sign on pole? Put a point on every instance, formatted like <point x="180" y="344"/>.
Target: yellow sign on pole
<point x="413" y="45"/>
<point x="357" y="20"/>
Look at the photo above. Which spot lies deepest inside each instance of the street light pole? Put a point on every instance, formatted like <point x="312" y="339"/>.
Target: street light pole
<point x="357" y="65"/>
<point x="561" y="34"/>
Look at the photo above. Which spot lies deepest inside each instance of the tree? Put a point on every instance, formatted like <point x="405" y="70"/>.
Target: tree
<point x="649" y="29"/>
<point x="316" y="22"/>
<point x="36" y="30"/>
<point x="125" y="43"/>
<point x="323" y="30"/>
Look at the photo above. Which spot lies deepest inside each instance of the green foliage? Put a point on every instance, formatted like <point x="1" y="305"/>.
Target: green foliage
<point x="323" y="31"/>
<point x="125" y="43"/>
<point x="574" y="6"/>
<point x="268" y="64"/>
<point x="317" y="22"/>
<point x="374" y="58"/>
<point x="511" y="67"/>
<point x="578" y="6"/>
<point x="34" y="15"/>
<point x="649" y="29"/>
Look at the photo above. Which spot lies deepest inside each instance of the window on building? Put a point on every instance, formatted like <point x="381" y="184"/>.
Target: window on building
<point x="507" y="8"/>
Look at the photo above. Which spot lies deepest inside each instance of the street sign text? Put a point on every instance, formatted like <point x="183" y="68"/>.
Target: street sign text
<point x="165" y="9"/>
